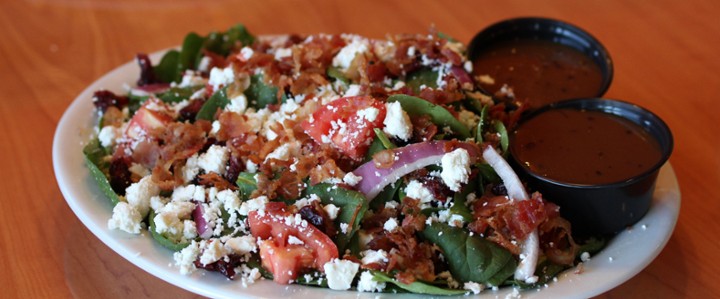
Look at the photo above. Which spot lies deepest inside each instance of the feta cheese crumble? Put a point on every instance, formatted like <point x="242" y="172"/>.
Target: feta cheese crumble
<point x="455" y="168"/>
<point x="340" y="273"/>
<point x="397" y="122"/>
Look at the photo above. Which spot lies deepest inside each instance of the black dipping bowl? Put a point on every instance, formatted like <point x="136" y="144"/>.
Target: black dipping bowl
<point x="607" y="208"/>
<point x="546" y="29"/>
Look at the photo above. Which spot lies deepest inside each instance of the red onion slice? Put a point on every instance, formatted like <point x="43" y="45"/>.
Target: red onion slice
<point x="407" y="159"/>
<point x="530" y="247"/>
<point x="203" y="229"/>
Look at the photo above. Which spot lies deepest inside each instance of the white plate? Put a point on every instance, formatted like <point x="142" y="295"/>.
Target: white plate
<point x="626" y="255"/>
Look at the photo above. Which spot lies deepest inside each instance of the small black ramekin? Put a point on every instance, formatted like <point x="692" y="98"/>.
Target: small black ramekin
<point x="546" y="29"/>
<point x="603" y="209"/>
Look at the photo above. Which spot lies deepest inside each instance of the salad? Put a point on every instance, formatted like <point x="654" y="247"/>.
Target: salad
<point x="326" y="160"/>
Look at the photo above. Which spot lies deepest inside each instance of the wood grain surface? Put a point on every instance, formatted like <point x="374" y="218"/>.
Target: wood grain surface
<point x="665" y="54"/>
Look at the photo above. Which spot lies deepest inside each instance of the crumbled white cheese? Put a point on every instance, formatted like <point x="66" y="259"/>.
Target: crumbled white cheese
<point x="347" y="54"/>
<point x="352" y="179"/>
<point x="190" y="78"/>
<point x="391" y="224"/>
<point x="254" y="204"/>
<point x="455" y="168"/>
<point x="353" y="90"/>
<point x="585" y="256"/>
<point x="108" y="135"/>
<point x="238" y="104"/>
<point x="340" y="273"/>
<point x="306" y="201"/>
<point x="282" y="53"/>
<point x="295" y="241"/>
<point x="125" y="217"/>
<point x="215" y="159"/>
<point x="368" y="284"/>
<point x="418" y="191"/>
<point x="191" y="168"/>
<point x="332" y="211"/>
<point x="251" y="167"/>
<point x="473" y="287"/>
<point x="241" y="245"/>
<point x="213" y="252"/>
<point x="138" y="194"/>
<point x="392" y="204"/>
<point x="229" y="199"/>
<point x="397" y="122"/>
<point x="370" y="114"/>
<point x="246" y="53"/>
<point x="281" y="153"/>
<point x="221" y="77"/>
<point x="186" y="257"/>
<point x="188" y="193"/>
<point x="374" y="256"/>
<point x="139" y="170"/>
<point x="344" y="227"/>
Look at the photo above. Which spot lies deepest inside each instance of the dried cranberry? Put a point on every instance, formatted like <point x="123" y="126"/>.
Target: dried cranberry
<point x="235" y="166"/>
<point x="227" y="268"/>
<point x="499" y="189"/>
<point x="316" y="216"/>
<point x="438" y="189"/>
<point x="191" y="110"/>
<point x="147" y="73"/>
<point x="120" y="175"/>
<point x="103" y="99"/>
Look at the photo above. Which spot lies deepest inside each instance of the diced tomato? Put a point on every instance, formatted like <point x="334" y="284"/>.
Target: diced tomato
<point x="339" y="123"/>
<point x="285" y="262"/>
<point x="283" y="259"/>
<point x="147" y="120"/>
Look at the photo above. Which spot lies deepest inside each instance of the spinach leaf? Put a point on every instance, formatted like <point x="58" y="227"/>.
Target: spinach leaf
<point x="415" y="106"/>
<point x="352" y="208"/>
<point x="247" y="184"/>
<point x="384" y="139"/>
<point x="416" y="287"/>
<point x="337" y="74"/>
<point x="387" y="194"/>
<point x="421" y="77"/>
<point x="374" y="148"/>
<point x="217" y="101"/>
<point x="481" y="125"/>
<point x="178" y="94"/>
<point x="504" y="138"/>
<point x="165" y="242"/>
<point x="471" y="258"/>
<point x="261" y="94"/>
<point x="224" y="43"/>
<point x="459" y="200"/>
<point x="94" y="153"/>
<point x="192" y="45"/>
<point x="166" y="70"/>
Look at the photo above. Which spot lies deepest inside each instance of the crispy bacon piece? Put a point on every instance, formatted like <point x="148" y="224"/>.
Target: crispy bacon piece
<point x="423" y="129"/>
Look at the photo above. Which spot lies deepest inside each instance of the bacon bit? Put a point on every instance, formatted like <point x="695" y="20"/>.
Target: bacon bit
<point x="327" y="170"/>
<point x="437" y="96"/>
<point x="423" y="129"/>
<point x="215" y="180"/>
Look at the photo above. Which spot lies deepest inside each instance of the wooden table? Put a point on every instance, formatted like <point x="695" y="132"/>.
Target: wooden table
<point x="665" y="54"/>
